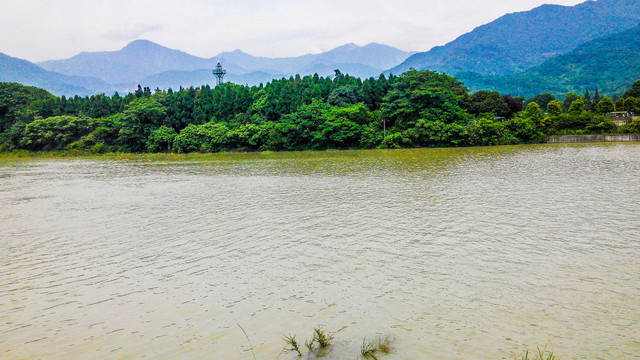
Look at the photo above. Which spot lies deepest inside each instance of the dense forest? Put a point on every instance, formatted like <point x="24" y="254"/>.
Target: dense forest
<point x="416" y="109"/>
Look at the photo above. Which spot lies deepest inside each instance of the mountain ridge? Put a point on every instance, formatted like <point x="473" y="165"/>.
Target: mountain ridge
<point x="517" y="41"/>
<point x="141" y="59"/>
<point x="609" y="63"/>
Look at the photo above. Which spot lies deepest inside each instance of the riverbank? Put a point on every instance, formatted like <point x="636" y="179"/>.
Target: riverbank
<point x="230" y="155"/>
<point x="558" y="139"/>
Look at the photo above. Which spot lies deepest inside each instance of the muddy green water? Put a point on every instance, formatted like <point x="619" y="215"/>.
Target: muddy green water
<point x="455" y="253"/>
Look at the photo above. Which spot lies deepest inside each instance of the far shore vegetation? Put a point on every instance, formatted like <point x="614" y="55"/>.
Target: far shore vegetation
<point x="416" y="109"/>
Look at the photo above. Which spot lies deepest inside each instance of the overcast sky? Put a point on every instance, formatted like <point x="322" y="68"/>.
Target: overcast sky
<point x="39" y="30"/>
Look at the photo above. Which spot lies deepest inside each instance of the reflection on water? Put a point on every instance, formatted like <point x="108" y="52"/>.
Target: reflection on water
<point x="455" y="253"/>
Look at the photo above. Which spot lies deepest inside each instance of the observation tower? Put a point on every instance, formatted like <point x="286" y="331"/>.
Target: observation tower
<point x="219" y="72"/>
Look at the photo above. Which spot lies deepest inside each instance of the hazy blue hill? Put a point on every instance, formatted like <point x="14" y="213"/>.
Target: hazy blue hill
<point x="374" y="55"/>
<point x="610" y="63"/>
<point x="518" y="41"/>
<point x="135" y="61"/>
<point x="23" y="72"/>
<point x="154" y="65"/>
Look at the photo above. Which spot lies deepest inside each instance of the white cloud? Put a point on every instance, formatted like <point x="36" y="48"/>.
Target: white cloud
<point x="47" y="29"/>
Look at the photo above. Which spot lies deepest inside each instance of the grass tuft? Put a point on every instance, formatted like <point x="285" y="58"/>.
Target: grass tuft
<point x="384" y="346"/>
<point x="542" y="355"/>
<point x="368" y="350"/>
<point x="291" y="344"/>
<point x="322" y="337"/>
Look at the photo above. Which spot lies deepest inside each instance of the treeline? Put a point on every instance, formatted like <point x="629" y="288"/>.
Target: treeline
<point x="417" y="109"/>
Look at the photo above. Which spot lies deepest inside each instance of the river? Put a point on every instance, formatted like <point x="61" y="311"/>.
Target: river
<point x="476" y="253"/>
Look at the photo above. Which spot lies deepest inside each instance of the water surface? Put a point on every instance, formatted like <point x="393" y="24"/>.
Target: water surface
<point x="455" y="253"/>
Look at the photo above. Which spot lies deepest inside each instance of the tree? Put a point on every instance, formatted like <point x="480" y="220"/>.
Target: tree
<point x="141" y="117"/>
<point x="161" y="139"/>
<point x="597" y="97"/>
<point x="632" y="104"/>
<point x="577" y="106"/>
<point x="427" y="101"/>
<point x="542" y="100"/>
<point x="484" y="102"/>
<point x="633" y="91"/>
<point x="606" y="105"/>
<point x="55" y="133"/>
<point x="587" y="100"/>
<point x="554" y="108"/>
<point x="515" y="104"/>
<point x="568" y="100"/>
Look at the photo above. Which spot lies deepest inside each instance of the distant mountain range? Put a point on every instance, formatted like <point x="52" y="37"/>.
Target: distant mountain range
<point x="144" y="62"/>
<point x="516" y="42"/>
<point x="610" y="63"/>
<point x="550" y="48"/>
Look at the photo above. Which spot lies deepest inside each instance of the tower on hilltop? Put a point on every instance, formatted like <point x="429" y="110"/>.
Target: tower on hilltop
<point x="219" y="72"/>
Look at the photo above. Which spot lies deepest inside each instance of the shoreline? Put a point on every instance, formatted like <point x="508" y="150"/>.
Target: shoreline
<point x="569" y="139"/>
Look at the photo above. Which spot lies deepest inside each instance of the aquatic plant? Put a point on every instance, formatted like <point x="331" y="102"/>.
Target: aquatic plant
<point x="542" y="355"/>
<point x="368" y="350"/>
<point x="292" y="344"/>
<point x="310" y="344"/>
<point x="321" y="336"/>
<point x="384" y="345"/>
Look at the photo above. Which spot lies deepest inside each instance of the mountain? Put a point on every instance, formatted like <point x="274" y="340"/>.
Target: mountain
<point x="135" y="61"/>
<point x="518" y="41"/>
<point x="154" y="65"/>
<point x="610" y="63"/>
<point x="23" y="72"/>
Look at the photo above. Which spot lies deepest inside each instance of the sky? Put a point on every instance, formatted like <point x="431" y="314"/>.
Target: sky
<point x="39" y="30"/>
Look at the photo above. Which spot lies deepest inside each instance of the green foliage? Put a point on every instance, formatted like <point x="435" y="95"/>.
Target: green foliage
<point x="610" y="63"/>
<point x="631" y="128"/>
<point x="322" y="337"/>
<point x="605" y="106"/>
<point x="577" y="106"/>
<point x="542" y="100"/>
<point x="291" y="344"/>
<point x="484" y="102"/>
<point x="368" y="350"/>
<point x="54" y="133"/>
<point x="633" y="91"/>
<point x="209" y="137"/>
<point x="161" y="139"/>
<point x="554" y="108"/>
<point x="568" y="100"/>
<point x="417" y="109"/>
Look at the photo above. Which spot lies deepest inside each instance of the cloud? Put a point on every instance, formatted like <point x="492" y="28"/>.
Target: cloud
<point x="131" y="32"/>
<point x="39" y="30"/>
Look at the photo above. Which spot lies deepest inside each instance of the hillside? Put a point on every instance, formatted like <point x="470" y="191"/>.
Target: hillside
<point x="518" y="41"/>
<point x="23" y="72"/>
<point x="611" y="63"/>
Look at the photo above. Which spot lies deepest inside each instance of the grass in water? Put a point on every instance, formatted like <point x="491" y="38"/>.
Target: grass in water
<point x="310" y="344"/>
<point x="292" y="344"/>
<point x="384" y="346"/>
<point x="321" y="336"/>
<point x="368" y="350"/>
<point x="542" y="355"/>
